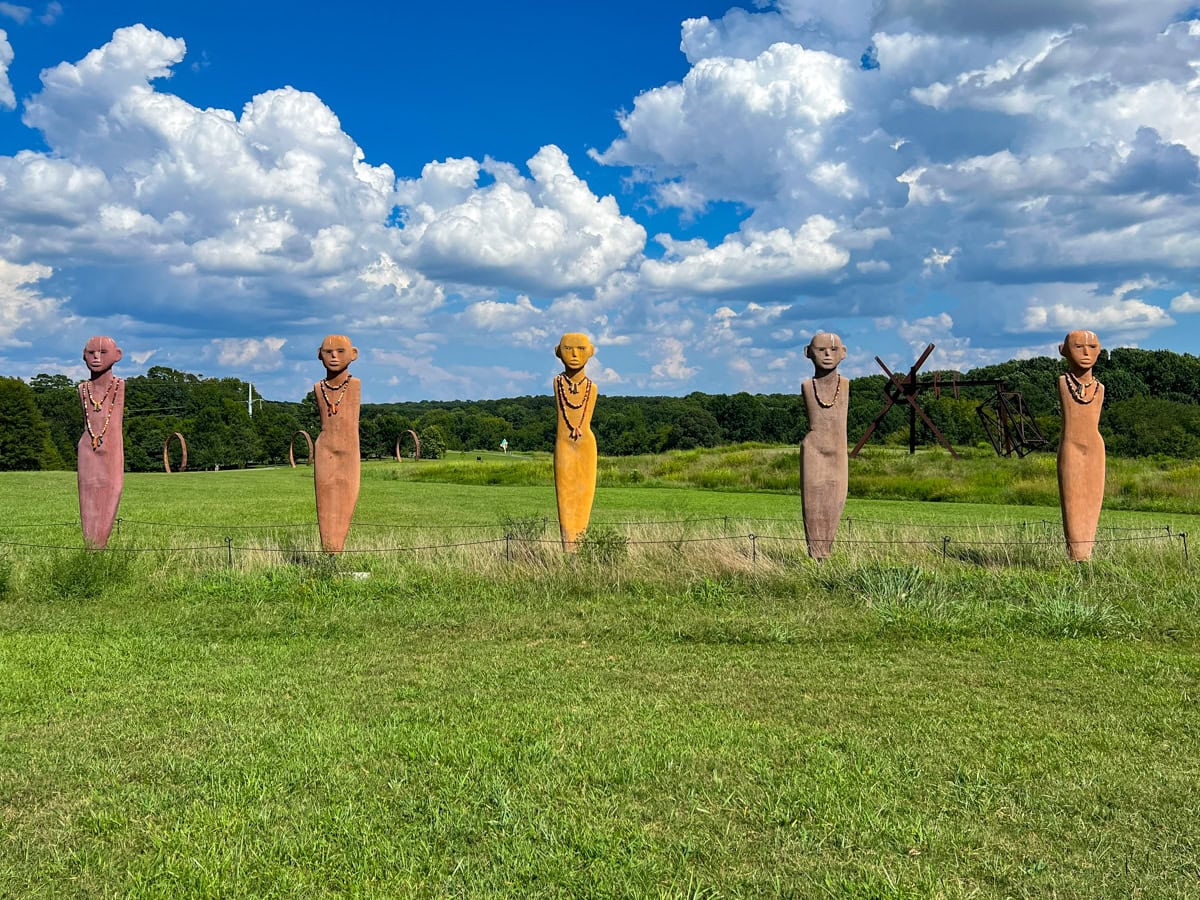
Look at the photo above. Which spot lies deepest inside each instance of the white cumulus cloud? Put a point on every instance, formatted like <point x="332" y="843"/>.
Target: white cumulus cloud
<point x="7" y="98"/>
<point x="22" y="305"/>
<point x="546" y="233"/>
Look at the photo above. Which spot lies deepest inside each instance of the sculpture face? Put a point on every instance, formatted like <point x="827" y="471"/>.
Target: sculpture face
<point x="336" y="353"/>
<point x="574" y="350"/>
<point x="1081" y="348"/>
<point x="826" y="351"/>
<point x="99" y="355"/>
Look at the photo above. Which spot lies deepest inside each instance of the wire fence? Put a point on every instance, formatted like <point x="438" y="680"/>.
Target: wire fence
<point x="991" y="542"/>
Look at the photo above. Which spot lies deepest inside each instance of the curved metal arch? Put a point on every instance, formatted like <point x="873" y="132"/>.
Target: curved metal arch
<point x="416" y="444"/>
<point x="166" y="452"/>
<point x="292" y="447"/>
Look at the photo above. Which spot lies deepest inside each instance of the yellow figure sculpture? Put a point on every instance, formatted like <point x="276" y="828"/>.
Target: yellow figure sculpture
<point x="824" y="459"/>
<point x="1081" y="448"/>
<point x="574" y="443"/>
<point x="337" y="462"/>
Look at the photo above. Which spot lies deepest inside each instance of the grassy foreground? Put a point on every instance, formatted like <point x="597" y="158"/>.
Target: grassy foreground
<point x="646" y="721"/>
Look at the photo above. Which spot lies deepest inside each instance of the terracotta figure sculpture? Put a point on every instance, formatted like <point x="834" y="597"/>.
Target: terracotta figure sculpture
<point x="337" y="464"/>
<point x="1081" y="448"/>
<point x="574" y="443"/>
<point x="824" y="458"/>
<point x="101" y="450"/>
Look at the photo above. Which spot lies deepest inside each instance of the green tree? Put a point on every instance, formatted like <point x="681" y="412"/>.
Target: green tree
<point x="433" y="442"/>
<point x="25" y="440"/>
<point x="59" y="405"/>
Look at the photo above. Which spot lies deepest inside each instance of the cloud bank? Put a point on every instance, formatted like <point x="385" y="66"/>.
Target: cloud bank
<point x="985" y="175"/>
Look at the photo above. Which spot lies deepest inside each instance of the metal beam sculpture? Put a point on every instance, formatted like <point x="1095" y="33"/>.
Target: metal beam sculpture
<point x="1005" y="418"/>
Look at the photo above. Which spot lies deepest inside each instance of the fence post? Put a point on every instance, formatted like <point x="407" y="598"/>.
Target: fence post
<point x="508" y="547"/>
<point x="118" y="526"/>
<point x="849" y="526"/>
<point x="726" y="524"/>
<point x="1183" y="534"/>
<point x="229" y="552"/>
<point x="545" y="522"/>
<point x="753" y="547"/>
<point x="945" y="545"/>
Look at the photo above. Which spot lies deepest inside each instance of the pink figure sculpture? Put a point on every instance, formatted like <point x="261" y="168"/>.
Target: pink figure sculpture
<point x="824" y="459"/>
<point x="338" y="463"/>
<point x="1081" y="455"/>
<point x="101" y="449"/>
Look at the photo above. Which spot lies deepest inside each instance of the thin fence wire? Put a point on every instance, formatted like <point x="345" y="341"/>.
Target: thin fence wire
<point x="940" y="542"/>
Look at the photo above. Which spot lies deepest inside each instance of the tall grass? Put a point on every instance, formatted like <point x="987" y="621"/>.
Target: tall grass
<point x="879" y="473"/>
<point x="677" y="710"/>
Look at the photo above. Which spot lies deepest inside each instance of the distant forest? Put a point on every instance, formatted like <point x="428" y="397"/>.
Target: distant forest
<point x="1152" y="407"/>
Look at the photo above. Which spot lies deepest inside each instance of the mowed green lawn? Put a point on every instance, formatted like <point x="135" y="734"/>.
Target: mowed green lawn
<point x="683" y="723"/>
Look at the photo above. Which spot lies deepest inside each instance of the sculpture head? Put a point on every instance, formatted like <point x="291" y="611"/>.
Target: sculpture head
<point x="574" y="349"/>
<point x="1081" y="349"/>
<point x="336" y="353"/>
<point x="825" y="350"/>
<point x="99" y="355"/>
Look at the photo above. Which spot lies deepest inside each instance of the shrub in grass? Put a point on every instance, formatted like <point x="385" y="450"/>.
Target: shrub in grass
<point x="81" y="575"/>
<point x="603" y="545"/>
<point x="525" y="536"/>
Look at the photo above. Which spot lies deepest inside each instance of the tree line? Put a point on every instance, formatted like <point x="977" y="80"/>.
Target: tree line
<point x="1152" y="407"/>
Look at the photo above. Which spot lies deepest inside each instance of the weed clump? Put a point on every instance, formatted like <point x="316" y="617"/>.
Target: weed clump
<point x="81" y="575"/>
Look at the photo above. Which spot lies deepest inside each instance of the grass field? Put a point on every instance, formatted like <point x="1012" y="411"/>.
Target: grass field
<point x="687" y="718"/>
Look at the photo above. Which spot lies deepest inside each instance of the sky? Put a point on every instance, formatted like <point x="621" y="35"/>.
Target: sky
<point x="698" y="186"/>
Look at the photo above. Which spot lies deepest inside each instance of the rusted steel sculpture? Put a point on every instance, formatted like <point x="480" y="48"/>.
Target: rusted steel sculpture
<point x="416" y="444"/>
<point x="182" y="450"/>
<point x="1081" y="456"/>
<point x="1005" y="417"/>
<point x="292" y="448"/>
<point x="101" y="449"/>
<point x="338" y="461"/>
<point x="574" y="443"/>
<point x="824" y="464"/>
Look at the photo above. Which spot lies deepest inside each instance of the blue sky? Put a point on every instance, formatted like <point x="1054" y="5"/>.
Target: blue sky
<point x="699" y="186"/>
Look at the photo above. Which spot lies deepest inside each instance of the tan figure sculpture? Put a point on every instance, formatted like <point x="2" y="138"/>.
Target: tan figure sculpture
<point x="824" y="459"/>
<point x="1081" y="448"/>
<point x="101" y="450"/>
<point x="337" y="464"/>
<point x="574" y="443"/>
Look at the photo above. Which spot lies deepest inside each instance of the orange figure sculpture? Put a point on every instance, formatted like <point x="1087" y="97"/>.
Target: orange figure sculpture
<point x="574" y="443"/>
<point x="824" y="459"/>
<point x="1081" y="448"/>
<point x="101" y="450"/>
<point x="338" y="463"/>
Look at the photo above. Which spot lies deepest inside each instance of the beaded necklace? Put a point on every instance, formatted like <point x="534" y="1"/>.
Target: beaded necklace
<point x="821" y="403"/>
<point x="564" y="385"/>
<point x="1078" y="390"/>
<point x="332" y="405"/>
<point x="87" y="386"/>
<point x="98" y="439"/>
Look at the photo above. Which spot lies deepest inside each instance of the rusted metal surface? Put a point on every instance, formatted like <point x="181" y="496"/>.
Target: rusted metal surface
<point x="292" y="448"/>
<point x="1009" y="425"/>
<point x="182" y="449"/>
<point x="416" y="444"/>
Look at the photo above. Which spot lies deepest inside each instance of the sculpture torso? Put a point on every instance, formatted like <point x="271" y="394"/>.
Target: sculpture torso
<point x="101" y="457"/>
<point x="574" y="455"/>
<point x="824" y="461"/>
<point x="1081" y="465"/>
<point x="337" y="461"/>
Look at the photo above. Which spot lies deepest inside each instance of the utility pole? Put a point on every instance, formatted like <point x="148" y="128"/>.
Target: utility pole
<point x="250" y="399"/>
